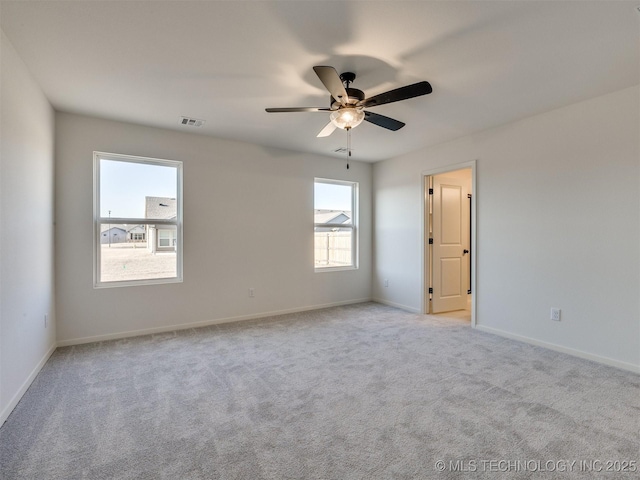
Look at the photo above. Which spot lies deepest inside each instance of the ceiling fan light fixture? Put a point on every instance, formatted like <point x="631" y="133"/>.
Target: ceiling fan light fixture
<point x="348" y="117"/>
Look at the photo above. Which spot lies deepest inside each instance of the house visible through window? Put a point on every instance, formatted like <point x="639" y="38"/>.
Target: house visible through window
<point x="137" y="220"/>
<point x="335" y="239"/>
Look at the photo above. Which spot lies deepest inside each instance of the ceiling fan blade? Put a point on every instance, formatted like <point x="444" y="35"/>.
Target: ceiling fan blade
<point x="326" y="131"/>
<point x="331" y="80"/>
<point x="297" y="109"/>
<point x="402" y="93"/>
<point x="382" y="121"/>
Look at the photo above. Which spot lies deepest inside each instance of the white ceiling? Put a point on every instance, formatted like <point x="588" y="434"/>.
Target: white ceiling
<point x="489" y="63"/>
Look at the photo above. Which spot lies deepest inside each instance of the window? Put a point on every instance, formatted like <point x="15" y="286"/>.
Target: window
<point x="166" y="238"/>
<point x="335" y="238"/>
<point x="137" y="220"/>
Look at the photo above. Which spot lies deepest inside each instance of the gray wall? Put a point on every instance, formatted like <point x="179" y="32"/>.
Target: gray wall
<point x="558" y="199"/>
<point x="248" y="223"/>
<point x="26" y="229"/>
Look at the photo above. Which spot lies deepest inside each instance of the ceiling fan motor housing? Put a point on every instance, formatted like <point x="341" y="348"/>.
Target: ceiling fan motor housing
<point x="354" y="94"/>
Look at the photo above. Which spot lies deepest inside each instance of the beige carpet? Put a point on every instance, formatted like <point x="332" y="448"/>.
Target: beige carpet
<point x="357" y="392"/>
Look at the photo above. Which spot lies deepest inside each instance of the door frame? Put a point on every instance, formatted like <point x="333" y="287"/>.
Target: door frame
<point x="424" y="251"/>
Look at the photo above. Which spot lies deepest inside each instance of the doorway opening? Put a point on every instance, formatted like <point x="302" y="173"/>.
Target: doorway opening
<point x="449" y="243"/>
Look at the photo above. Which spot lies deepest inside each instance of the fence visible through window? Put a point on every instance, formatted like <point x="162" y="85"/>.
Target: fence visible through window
<point x="333" y="249"/>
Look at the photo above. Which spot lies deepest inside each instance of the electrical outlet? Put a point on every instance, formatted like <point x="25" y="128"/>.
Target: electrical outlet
<point x="386" y="282"/>
<point x="46" y="321"/>
<point x="555" y="314"/>
<point x="251" y="293"/>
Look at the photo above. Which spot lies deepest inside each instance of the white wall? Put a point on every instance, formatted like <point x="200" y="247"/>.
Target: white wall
<point x="26" y="228"/>
<point x="248" y="223"/>
<point x="558" y="222"/>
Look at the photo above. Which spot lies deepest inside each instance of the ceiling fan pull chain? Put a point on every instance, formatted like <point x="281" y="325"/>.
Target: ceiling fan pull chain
<point x="349" y="141"/>
<point x="348" y="146"/>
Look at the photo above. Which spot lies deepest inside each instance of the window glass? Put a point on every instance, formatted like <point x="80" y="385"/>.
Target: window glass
<point x="126" y="185"/>
<point x="138" y="220"/>
<point x="334" y="224"/>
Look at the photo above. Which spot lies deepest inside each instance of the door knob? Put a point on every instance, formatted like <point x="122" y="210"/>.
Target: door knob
<point x="464" y="252"/>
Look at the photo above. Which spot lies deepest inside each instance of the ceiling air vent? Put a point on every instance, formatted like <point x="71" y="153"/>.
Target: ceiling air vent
<point x="191" y="122"/>
<point x="340" y="150"/>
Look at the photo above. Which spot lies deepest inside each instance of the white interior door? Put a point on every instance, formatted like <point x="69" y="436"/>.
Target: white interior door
<point x="451" y="244"/>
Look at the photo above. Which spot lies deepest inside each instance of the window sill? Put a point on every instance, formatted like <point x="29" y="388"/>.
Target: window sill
<point x="136" y="283"/>
<point x="334" y="269"/>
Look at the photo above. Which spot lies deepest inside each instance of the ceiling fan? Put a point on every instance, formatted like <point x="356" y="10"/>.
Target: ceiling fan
<point x="347" y="105"/>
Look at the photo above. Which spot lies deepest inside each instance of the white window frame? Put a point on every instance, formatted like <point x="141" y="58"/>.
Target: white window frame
<point x="98" y="220"/>
<point x="353" y="225"/>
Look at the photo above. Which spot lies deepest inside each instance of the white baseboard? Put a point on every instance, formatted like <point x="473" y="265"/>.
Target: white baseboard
<point x="397" y="305"/>
<point x="559" y="348"/>
<point x="25" y="386"/>
<point x="184" y="326"/>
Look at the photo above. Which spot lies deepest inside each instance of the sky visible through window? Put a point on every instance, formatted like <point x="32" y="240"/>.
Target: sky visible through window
<point x="329" y="196"/>
<point x="124" y="186"/>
